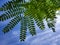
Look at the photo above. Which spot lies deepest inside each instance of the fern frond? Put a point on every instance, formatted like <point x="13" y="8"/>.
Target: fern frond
<point x="12" y="4"/>
<point x="11" y="24"/>
<point x="53" y="29"/>
<point x="31" y="26"/>
<point x="39" y="22"/>
<point x="11" y="13"/>
<point x="23" y="29"/>
<point x="51" y="24"/>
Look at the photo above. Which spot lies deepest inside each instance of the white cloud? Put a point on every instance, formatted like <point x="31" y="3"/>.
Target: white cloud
<point x="16" y="33"/>
<point x="53" y="44"/>
<point x="47" y="36"/>
<point x="38" y="34"/>
<point x="44" y="39"/>
<point x="54" y="38"/>
<point x="57" y="20"/>
<point x="36" y="42"/>
<point x="38" y="38"/>
<point x="42" y="35"/>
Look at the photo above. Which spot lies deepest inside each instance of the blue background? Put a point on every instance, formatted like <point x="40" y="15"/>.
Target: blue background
<point x="46" y="37"/>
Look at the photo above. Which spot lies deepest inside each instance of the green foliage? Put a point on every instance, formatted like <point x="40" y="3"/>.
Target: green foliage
<point x="31" y="26"/>
<point x="10" y="13"/>
<point x="37" y="10"/>
<point x="12" y="24"/>
<point x="23" y="29"/>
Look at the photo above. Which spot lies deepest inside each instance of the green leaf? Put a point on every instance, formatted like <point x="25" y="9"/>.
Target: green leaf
<point x="31" y="26"/>
<point x="11" y="24"/>
<point x="23" y="29"/>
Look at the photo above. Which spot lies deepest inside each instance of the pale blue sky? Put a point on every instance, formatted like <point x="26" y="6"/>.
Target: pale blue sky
<point x="46" y="37"/>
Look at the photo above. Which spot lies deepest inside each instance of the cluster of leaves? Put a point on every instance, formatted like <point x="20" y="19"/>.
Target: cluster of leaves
<point x="43" y="9"/>
<point x="37" y="10"/>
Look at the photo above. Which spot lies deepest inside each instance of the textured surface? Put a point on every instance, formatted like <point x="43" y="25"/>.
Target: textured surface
<point x="42" y="39"/>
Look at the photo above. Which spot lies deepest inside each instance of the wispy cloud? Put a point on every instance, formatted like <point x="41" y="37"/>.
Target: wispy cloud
<point x="53" y="44"/>
<point x="47" y="36"/>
